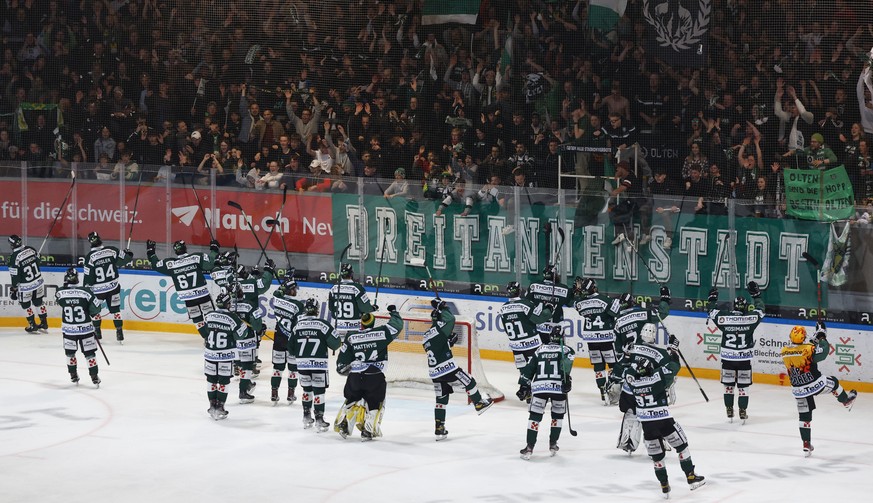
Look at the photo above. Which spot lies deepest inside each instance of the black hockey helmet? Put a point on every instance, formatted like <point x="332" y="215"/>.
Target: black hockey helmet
<point x="626" y="300"/>
<point x="288" y="286"/>
<point x="180" y="247"/>
<point x="310" y="307"/>
<point x="740" y="304"/>
<point x="71" y="277"/>
<point x="550" y="273"/>
<point x="94" y="239"/>
<point x="345" y="270"/>
<point x="225" y="259"/>
<point x="435" y="314"/>
<point x="15" y="241"/>
<point x="223" y="299"/>
<point x="556" y="333"/>
<point x="586" y="285"/>
<point x="241" y="272"/>
<point x="513" y="289"/>
<point x="255" y="271"/>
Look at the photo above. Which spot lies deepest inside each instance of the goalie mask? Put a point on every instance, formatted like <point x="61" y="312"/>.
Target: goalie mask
<point x="71" y="277"/>
<point x="94" y="239"/>
<point x="797" y="335"/>
<point x="180" y="247"/>
<point x="513" y="289"/>
<point x="649" y="333"/>
<point x="15" y="241"/>
<point x="310" y="307"/>
<point x="740" y="304"/>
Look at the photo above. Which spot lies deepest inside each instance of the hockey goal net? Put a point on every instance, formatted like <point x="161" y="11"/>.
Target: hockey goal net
<point x="407" y="361"/>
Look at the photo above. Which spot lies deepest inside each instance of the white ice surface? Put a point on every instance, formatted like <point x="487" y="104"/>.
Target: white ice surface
<point x="144" y="436"/>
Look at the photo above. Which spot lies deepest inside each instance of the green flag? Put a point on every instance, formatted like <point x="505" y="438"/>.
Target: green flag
<point x="603" y="15"/>
<point x="819" y="195"/>
<point x="450" y="11"/>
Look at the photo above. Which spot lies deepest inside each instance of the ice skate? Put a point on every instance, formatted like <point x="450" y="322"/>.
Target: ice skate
<point x="695" y="481"/>
<point x="291" y="396"/>
<point x="807" y="449"/>
<point x="245" y="397"/>
<point x="553" y="448"/>
<point x="743" y="415"/>
<point x="220" y="413"/>
<point x="527" y="452"/>
<point x="307" y="420"/>
<point x="730" y="414"/>
<point x="43" y="325"/>
<point x="342" y="428"/>
<point x="665" y="490"/>
<point x="440" y="431"/>
<point x="366" y="436"/>
<point x="119" y="336"/>
<point x="211" y="409"/>
<point x="74" y="378"/>
<point x="484" y="405"/>
<point x="321" y="425"/>
<point x="274" y="395"/>
<point x="95" y="381"/>
<point x="851" y="396"/>
<point x="31" y="328"/>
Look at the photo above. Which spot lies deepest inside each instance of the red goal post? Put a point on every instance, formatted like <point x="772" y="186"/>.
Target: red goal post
<point x="407" y="361"/>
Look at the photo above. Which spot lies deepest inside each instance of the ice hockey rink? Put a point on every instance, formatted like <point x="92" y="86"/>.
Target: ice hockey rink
<point x="145" y="436"/>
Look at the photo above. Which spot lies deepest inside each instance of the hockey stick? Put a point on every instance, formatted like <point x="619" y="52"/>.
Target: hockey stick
<point x="381" y="262"/>
<point x="234" y="204"/>
<point x="99" y="345"/>
<point x="206" y="220"/>
<point x="133" y="215"/>
<point x="815" y="264"/>
<point x="278" y="214"/>
<point x="63" y="205"/>
<point x="431" y="282"/>
<point x="276" y="223"/>
<point x="567" y="399"/>
<point x="688" y="367"/>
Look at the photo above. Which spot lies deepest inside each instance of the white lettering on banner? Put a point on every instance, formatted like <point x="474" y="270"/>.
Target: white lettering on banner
<point x="439" y="234"/>
<point x="45" y="211"/>
<point x="386" y="232"/>
<point x="466" y="230"/>
<point x="791" y="247"/>
<point x="660" y="261"/>
<point x="313" y="226"/>
<point x="593" y="264"/>
<point x="724" y="270"/>
<point x="528" y="233"/>
<point x="758" y="258"/>
<point x="497" y="257"/>
<point x="359" y="232"/>
<point x="414" y="238"/>
<point x="692" y="242"/>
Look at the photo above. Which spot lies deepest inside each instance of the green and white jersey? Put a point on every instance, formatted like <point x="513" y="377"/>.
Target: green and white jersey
<point x="367" y="351"/>
<point x="737" y="330"/>
<point x="630" y="321"/>
<point x="660" y="358"/>
<point x="548" y="369"/>
<point x="347" y="302"/>
<point x="650" y="394"/>
<point x="223" y="330"/>
<point x="223" y="277"/>
<point x="252" y="289"/>
<point x="78" y="305"/>
<point x="101" y="268"/>
<point x="311" y="338"/>
<point x="600" y="312"/>
<point x="186" y="270"/>
<point x="440" y="360"/>
<point x="546" y="291"/>
<point x="286" y="309"/>
<point x="24" y="269"/>
<point x="520" y="318"/>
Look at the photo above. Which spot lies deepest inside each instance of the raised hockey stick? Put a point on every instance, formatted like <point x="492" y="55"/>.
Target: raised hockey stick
<point x="234" y="204"/>
<point x="430" y="281"/>
<point x="817" y="266"/>
<point x="276" y="223"/>
<point x="381" y="263"/>
<point x="60" y="212"/>
<point x="133" y="215"/>
<point x="278" y="214"/>
<point x="202" y="211"/>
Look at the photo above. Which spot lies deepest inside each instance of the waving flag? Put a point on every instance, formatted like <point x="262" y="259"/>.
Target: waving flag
<point x="604" y="14"/>
<point x="450" y="11"/>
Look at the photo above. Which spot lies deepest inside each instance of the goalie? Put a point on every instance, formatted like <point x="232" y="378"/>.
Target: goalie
<point x="443" y="371"/>
<point x="363" y="357"/>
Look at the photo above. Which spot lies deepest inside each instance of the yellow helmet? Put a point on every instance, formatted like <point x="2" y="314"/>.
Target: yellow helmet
<point x="368" y="320"/>
<point x="798" y="335"/>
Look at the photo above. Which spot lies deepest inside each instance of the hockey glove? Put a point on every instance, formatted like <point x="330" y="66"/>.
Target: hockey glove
<point x="13" y="293"/>
<point x="549" y="306"/>
<point x="674" y="342"/>
<point x="665" y="294"/>
<point x="453" y="339"/>
<point x="128" y="253"/>
<point x="713" y="294"/>
<point x="754" y="289"/>
<point x="567" y="385"/>
<point x="438" y="304"/>
<point x="820" y="326"/>
<point x="214" y="246"/>
<point x="391" y="308"/>
<point x="150" y="247"/>
<point x="270" y="267"/>
<point x="375" y="307"/>
<point x="820" y="331"/>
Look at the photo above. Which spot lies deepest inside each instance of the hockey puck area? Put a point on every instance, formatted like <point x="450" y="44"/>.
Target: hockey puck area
<point x="148" y="421"/>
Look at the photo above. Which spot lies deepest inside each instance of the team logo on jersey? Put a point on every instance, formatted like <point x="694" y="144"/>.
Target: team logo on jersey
<point x="675" y="26"/>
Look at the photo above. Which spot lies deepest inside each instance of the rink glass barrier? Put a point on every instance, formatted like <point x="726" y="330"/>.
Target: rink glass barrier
<point x="724" y="244"/>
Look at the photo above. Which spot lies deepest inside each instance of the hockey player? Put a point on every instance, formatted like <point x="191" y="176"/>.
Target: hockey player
<point x="252" y="284"/>
<point x="364" y="357"/>
<point x="222" y="329"/>
<point x="286" y="309"/>
<point x="348" y="302"/>
<point x="101" y="276"/>
<point x="548" y="375"/>
<point x="599" y="312"/>
<point x="311" y="337"/>
<point x="550" y="290"/>
<point x="246" y="348"/>
<point x="801" y="362"/>
<point x="78" y="306"/>
<point x="443" y="371"/>
<point x="643" y="348"/>
<point x="634" y="316"/>
<point x="28" y="287"/>
<point x="187" y="272"/>
<point x="520" y="318"/>
<point x="648" y="385"/>
<point x="737" y="326"/>
<point x="223" y="274"/>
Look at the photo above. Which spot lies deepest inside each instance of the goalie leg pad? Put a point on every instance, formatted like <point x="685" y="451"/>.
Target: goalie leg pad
<point x="613" y="392"/>
<point x="671" y="394"/>
<point x="537" y="405"/>
<point x="631" y="432"/>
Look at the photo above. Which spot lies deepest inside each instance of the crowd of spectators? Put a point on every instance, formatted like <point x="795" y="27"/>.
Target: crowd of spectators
<point x="317" y="96"/>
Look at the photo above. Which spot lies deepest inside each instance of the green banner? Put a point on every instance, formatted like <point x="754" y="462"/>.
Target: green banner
<point x="480" y="252"/>
<point x="819" y="195"/>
